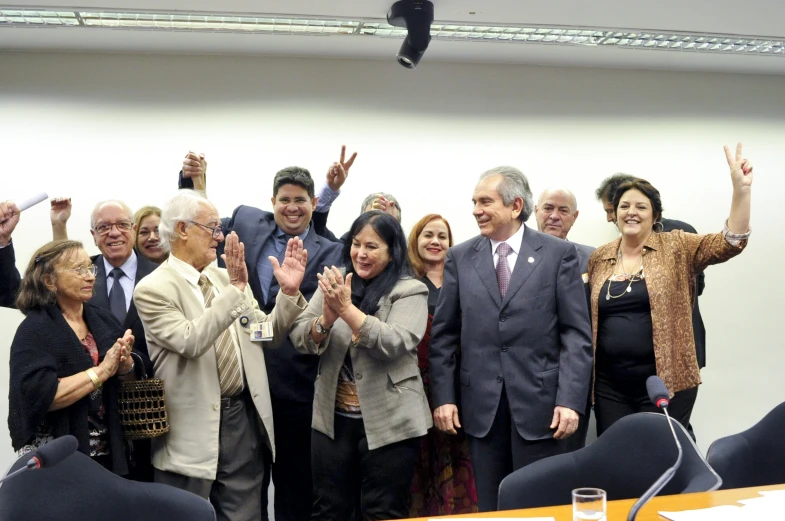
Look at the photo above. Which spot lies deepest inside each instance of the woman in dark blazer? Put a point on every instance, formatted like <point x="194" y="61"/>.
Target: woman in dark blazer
<point x="66" y="359"/>
<point x="369" y="406"/>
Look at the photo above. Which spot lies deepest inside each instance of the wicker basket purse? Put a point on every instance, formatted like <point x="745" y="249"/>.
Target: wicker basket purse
<point x="142" y="405"/>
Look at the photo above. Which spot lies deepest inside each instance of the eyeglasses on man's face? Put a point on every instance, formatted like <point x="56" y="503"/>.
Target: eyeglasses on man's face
<point x="217" y="230"/>
<point x="105" y="228"/>
<point x="83" y="271"/>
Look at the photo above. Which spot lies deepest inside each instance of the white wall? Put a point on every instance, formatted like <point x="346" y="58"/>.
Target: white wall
<point x="103" y="126"/>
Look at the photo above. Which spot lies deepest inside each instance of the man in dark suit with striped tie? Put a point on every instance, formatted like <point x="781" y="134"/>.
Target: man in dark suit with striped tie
<point x="119" y="270"/>
<point x="291" y="374"/>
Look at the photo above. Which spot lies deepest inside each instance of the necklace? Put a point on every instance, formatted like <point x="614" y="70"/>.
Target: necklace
<point x="635" y="276"/>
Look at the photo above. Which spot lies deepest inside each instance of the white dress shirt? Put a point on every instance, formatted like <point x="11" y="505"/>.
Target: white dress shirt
<point x="190" y="274"/>
<point x="514" y="243"/>
<point x="128" y="282"/>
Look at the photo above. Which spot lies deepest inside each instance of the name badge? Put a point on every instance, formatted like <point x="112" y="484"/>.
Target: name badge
<point x="262" y="332"/>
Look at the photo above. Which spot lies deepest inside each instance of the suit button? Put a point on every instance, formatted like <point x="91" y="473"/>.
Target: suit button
<point x="358" y="376"/>
<point x="503" y="318"/>
<point x="504" y="348"/>
<point x="234" y="314"/>
<point x="499" y="379"/>
<point x="216" y="407"/>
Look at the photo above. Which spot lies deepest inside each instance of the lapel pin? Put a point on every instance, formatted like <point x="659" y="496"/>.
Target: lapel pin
<point x="244" y="321"/>
<point x="531" y="260"/>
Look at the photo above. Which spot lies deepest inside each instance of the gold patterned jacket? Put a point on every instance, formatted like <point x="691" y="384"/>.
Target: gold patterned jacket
<point x="671" y="262"/>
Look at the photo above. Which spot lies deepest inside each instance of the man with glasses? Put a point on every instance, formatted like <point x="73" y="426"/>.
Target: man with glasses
<point x="207" y="337"/>
<point x="291" y="374"/>
<point x="119" y="270"/>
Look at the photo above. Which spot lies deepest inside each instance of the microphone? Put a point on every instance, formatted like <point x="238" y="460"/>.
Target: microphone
<point x="659" y="396"/>
<point x="48" y="455"/>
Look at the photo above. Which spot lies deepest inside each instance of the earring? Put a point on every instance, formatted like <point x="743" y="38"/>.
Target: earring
<point x="661" y="227"/>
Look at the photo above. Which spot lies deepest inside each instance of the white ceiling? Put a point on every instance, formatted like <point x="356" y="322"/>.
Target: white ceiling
<point x="753" y="18"/>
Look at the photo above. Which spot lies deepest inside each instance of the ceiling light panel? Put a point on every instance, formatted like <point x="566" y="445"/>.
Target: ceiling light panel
<point x="276" y="24"/>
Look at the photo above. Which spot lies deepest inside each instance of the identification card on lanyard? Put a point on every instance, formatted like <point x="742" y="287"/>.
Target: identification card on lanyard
<point x="262" y="332"/>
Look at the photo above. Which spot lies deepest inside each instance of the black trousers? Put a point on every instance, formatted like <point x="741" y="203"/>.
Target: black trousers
<point x="291" y="472"/>
<point x="348" y="476"/>
<point x="615" y="399"/>
<point x="502" y="451"/>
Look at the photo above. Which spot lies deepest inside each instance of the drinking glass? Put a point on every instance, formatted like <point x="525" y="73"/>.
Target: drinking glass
<point x="588" y="504"/>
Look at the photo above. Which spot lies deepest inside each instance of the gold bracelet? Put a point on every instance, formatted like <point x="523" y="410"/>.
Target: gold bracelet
<point x="97" y="383"/>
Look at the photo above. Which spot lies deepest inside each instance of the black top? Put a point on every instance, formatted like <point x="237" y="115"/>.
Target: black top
<point x="44" y="349"/>
<point x="625" y="343"/>
<point x="9" y="277"/>
<point x="433" y="295"/>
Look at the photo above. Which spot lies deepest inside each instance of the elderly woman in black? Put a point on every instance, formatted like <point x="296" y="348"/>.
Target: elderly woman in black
<point x="369" y="407"/>
<point x="66" y="359"/>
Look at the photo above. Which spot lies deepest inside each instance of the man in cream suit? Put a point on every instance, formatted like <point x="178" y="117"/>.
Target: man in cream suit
<point x="204" y="333"/>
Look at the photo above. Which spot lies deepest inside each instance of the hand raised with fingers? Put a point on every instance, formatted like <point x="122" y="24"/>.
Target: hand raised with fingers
<point x="339" y="171"/>
<point x="9" y="218"/>
<point x="60" y="210"/>
<point x="194" y="165"/>
<point x="234" y="258"/>
<point x="337" y="290"/>
<point x="290" y="274"/>
<point x="740" y="168"/>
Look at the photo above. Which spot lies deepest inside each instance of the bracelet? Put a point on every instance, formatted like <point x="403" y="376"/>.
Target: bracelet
<point x="97" y="383"/>
<point x="133" y="364"/>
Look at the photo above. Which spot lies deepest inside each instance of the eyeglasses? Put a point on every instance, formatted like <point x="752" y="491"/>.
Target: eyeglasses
<point x="217" y="230"/>
<point x="105" y="228"/>
<point x="82" y="271"/>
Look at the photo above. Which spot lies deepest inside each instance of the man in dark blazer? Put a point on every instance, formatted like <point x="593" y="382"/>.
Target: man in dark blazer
<point x="291" y="374"/>
<point x="513" y="302"/>
<point x="119" y="268"/>
<point x="556" y="212"/>
<point x="9" y="275"/>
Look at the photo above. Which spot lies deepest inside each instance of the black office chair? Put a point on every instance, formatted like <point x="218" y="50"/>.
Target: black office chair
<point x="624" y="462"/>
<point x="79" y="489"/>
<point x="755" y="457"/>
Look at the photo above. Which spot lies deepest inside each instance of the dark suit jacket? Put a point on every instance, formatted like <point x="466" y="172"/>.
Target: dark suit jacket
<point x="100" y="299"/>
<point x="536" y="343"/>
<point x="290" y="373"/>
<point x="584" y="252"/>
<point x="319" y="221"/>
<point x="668" y="225"/>
<point x="9" y="277"/>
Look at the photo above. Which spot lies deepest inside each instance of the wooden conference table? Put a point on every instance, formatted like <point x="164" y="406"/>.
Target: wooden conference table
<point x="617" y="510"/>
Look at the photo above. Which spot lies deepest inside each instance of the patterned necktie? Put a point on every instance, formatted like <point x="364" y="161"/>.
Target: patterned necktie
<point x="117" y="296"/>
<point x="229" y="377"/>
<point x="502" y="268"/>
<point x="274" y="286"/>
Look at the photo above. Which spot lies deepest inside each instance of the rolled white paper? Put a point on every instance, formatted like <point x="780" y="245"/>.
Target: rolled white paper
<point x="24" y="204"/>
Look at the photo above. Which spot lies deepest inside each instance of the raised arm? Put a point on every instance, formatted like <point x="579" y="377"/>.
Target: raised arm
<point x="59" y="214"/>
<point x="194" y="172"/>
<point x="741" y="177"/>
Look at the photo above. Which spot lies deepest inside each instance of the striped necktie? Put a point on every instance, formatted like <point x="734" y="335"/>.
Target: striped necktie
<point x="229" y="376"/>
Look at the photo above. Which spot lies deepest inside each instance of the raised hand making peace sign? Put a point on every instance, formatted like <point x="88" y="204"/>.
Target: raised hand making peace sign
<point x="740" y="168"/>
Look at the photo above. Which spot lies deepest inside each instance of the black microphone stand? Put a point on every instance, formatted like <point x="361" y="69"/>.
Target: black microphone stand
<point x="32" y="464"/>
<point x="663" y="480"/>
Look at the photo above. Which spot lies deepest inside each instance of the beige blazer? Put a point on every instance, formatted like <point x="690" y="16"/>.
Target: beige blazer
<point x="389" y="385"/>
<point x="180" y="335"/>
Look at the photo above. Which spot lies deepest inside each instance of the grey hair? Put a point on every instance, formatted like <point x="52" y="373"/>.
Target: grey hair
<point x="390" y="197"/>
<point x="513" y="185"/>
<point x="116" y="202"/>
<point x="183" y="207"/>
<point x="557" y="190"/>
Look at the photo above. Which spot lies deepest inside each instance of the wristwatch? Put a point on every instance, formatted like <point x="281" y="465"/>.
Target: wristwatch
<point x="321" y="329"/>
